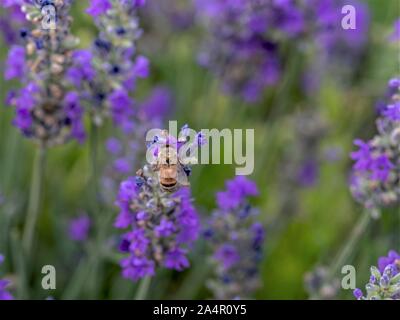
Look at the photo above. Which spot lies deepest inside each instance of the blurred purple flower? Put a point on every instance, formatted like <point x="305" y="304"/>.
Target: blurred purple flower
<point x="395" y="36"/>
<point x="45" y="108"/>
<point x="122" y="166"/>
<point x="78" y="228"/>
<point x="105" y="75"/>
<point x="158" y="104"/>
<point x="113" y="146"/>
<point x="308" y="174"/>
<point x="236" y="240"/>
<point x="75" y="113"/>
<point x="375" y="176"/>
<point x="227" y="254"/>
<point x="82" y="68"/>
<point x="15" y="64"/>
<point x="4" y="284"/>
<point x="98" y="7"/>
<point x="244" y="39"/>
<point x="237" y="190"/>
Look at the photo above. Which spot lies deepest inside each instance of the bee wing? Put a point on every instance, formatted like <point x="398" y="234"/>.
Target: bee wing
<point x="182" y="178"/>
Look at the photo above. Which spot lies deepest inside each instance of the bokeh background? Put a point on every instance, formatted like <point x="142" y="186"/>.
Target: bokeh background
<point x="308" y="219"/>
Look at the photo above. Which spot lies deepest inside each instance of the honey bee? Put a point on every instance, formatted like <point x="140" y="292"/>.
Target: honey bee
<point x="171" y="172"/>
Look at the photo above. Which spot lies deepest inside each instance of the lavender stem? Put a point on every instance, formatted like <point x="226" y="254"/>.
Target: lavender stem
<point x="350" y="244"/>
<point x="143" y="288"/>
<point x="34" y="199"/>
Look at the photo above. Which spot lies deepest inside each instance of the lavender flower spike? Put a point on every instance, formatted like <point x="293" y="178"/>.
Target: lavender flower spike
<point x="237" y="241"/>
<point x="46" y="109"/>
<point x="161" y="225"/>
<point x="376" y="171"/>
<point x="385" y="280"/>
<point x="105" y="74"/>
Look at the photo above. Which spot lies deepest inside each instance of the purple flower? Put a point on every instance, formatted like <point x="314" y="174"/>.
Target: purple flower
<point x="374" y="179"/>
<point x="392" y="111"/>
<point x="98" y="7"/>
<point x="162" y="225"/>
<point x="308" y="174"/>
<point x="105" y="75"/>
<point x="12" y="21"/>
<point x="121" y="106"/>
<point x="395" y="36"/>
<point x="393" y="258"/>
<point x="158" y="104"/>
<point x="82" y="68"/>
<point x="236" y="240"/>
<point x="165" y="228"/>
<point x="4" y="294"/>
<point x="78" y="229"/>
<point x="141" y="67"/>
<point x="15" y="64"/>
<point x="380" y="168"/>
<point x="236" y="191"/>
<point x="136" y="268"/>
<point x="113" y="146"/>
<point x="75" y="113"/>
<point x="384" y="283"/>
<point x="122" y="166"/>
<point x="4" y="284"/>
<point x="46" y="110"/>
<point x="227" y="254"/>
<point x="25" y="101"/>
<point x="176" y="259"/>
<point x="139" y="241"/>
<point x="358" y="294"/>
<point x="124" y="218"/>
<point x="244" y="41"/>
<point x="362" y="156"/>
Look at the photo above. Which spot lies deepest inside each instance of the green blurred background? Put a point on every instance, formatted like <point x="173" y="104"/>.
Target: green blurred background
<point x="314" y="233"/>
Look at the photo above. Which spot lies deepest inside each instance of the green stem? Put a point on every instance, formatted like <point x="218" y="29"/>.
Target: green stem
<point x="34" y="199"/>
<point x="94" y="259"/>
<point x="20" y="265"/>
<point x="94" y="162"/>
<point x="143" y="289"/>
<point x="355" y="236"/>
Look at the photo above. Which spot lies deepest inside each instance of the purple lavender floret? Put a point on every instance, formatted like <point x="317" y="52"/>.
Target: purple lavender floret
<point x="78" y="228"/>
<point x="392" y="258"/>
<point x="4" y="284"/>
<point x="16" y="63"/>
<point x="376" y="172"/>
<point x="161" y="226"/>
<point x="98" y="7"/>
<point x="236" y="192"/>
<point x="384" y="281"/>
<point x="236" y="239"/>
<point x="12" y="21"/>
